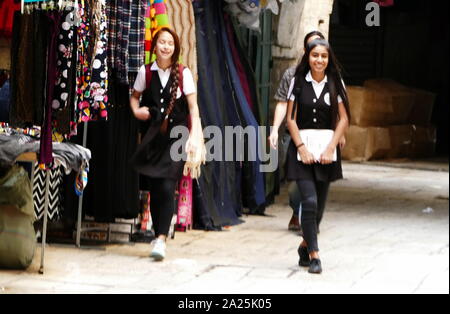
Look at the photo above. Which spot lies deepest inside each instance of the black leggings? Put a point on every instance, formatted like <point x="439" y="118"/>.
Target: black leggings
<point x="313" y="199"/>
<point x="162" y="203"/>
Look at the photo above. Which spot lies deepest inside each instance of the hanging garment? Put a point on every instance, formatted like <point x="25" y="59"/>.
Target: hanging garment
<point x="112" y="32"/>
<point x="113" y="189"/>
<point x="155" y="18"/>
<point x="217" y="194"/>
<point x="136" y="38"/>
<point x="182" y="20"/>
<point x="126" y="36"/>
<point x="254" y="196"/>
<point x="46" y="149"/>
<point x="64" y="92"/>
<point x="92" y="67"/>
<point x="4" y="102"/>
<point x="247" y="79"/>
<point x="7" y="9"/>
<point x="123" y="39"/>
<point x="239" y="66"/>
<point x="39" y="188"/>
<point x="29" y="68"/>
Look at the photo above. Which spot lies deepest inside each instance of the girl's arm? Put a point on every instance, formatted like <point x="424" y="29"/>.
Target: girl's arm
<point x="196" y="134"/>
<point x="280" y="113"/>
<point x="327" y="156"/>
<point x="141" y="113"/>
<point x="305" y="155"/>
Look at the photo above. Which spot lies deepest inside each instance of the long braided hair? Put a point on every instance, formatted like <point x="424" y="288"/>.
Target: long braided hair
<point x="174" y="73"/>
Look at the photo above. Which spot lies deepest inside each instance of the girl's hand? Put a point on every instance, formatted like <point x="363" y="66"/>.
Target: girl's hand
<point x="143" y="113"/>
<point x="273" y="139"/>
<point x="342" y="142"/>
<point x="327" y="156"/>
<point x="191" y="146"/>
<point x="306" y="156"/>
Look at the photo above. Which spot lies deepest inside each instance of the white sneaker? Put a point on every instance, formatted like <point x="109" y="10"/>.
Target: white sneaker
<point x="159" y="250"/>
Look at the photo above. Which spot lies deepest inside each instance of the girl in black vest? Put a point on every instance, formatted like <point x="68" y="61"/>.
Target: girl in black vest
<point x="318" y="101"/>
<point x="164" y="106"/>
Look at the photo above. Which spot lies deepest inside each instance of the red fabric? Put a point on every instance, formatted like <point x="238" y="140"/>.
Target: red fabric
<point x="385" y="3"/>
<point x="7" y="9"/>
<point x="239" y="66"/>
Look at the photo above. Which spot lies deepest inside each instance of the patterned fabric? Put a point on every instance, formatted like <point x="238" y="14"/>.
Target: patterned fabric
<point x="92" y="67"/>
<point x="64" y="93"/>
<point x="39" y="182"/>
<point x="184" y="217"/>
<point x="126" y="29"/>
<point x="137" y="36"/>
<point x="111" y="13"/>
<point x="155" y="18"/>
<point x="123" y="35"/>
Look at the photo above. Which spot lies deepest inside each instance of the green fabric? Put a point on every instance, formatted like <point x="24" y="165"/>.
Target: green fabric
<point x="17" y="238"/>
<point x="162" y="19"/>
<point x="17" y="235"/>
<point x="15" y="189"/>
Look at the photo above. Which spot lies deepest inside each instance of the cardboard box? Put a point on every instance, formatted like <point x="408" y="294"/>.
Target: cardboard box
<point x="424" y="142"/>
<point x="422" y="101"/>
<point x="366" y="143"/>
<point x="379" y="107"/>
<point x="401" y="141"/>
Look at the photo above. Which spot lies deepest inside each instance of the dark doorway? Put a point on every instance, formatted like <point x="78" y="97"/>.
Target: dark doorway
<point x="411" y="46"/>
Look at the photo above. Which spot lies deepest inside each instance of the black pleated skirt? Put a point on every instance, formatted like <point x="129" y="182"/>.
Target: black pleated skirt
<point x="296" y="170"/>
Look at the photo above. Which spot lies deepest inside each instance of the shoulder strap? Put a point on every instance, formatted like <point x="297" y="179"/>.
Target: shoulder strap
<point x="148" y="75"/>
<point x="297" y="91"/>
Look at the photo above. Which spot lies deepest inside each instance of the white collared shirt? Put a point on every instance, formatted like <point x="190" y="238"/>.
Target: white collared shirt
<point x="317" y="86"/>
<point x="188" y="80"/>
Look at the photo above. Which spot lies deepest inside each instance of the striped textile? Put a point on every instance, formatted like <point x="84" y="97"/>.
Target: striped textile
<point x="155" y="18"/>
<point x="56" y="178"/>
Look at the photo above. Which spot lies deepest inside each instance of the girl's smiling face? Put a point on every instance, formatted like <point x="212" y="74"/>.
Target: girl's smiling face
<point x="165" y="46"/>
<point x="318" y="59"/>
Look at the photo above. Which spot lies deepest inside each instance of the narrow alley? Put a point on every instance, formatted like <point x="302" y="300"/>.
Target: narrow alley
<point x="386" y="230"/>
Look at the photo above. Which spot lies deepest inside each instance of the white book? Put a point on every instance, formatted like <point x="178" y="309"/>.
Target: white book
<point x="316" y="142"/>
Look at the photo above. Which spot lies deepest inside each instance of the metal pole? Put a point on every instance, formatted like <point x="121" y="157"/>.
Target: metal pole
<point x="44" y="231"/>
<point x="80" y="202"/>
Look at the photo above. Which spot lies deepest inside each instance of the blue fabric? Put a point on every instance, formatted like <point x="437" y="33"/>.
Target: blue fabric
<point x="4" y="102"/>
<point x="256" y="197"/>
<point x="224" y="186"/>
<point x="217" y="194"/>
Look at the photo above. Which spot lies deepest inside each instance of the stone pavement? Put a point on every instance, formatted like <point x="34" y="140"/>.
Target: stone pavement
<point x="385" y="230"/>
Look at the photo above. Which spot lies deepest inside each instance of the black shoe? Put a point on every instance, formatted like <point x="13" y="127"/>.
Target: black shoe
<point x="304" y="256"/>
<point x="315" y="266"/>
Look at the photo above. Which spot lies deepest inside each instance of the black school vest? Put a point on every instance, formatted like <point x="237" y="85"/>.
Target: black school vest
<point x="157" y="99"/>
<point x="313" y="112"/>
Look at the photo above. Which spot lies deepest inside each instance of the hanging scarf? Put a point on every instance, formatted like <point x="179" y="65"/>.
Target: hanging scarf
<point x="155" y="18"/>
